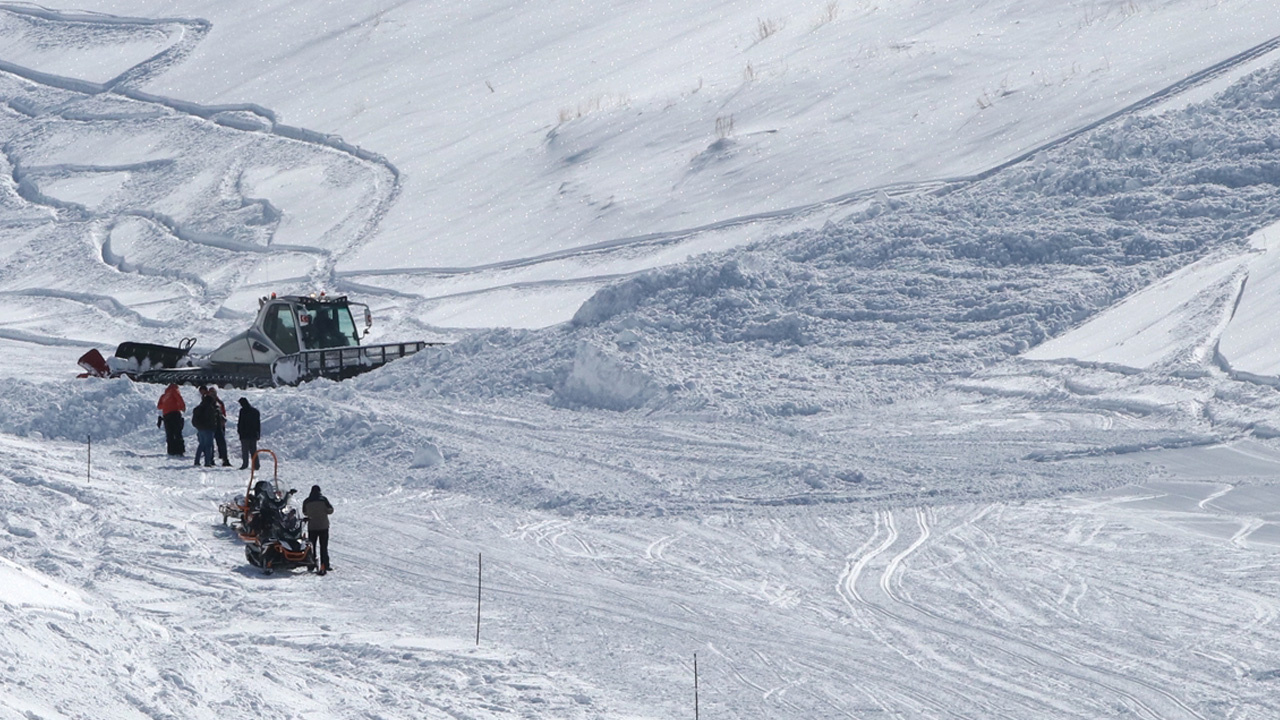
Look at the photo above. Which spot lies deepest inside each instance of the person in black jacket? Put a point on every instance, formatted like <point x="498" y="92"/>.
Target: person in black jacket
<point x="249" y="428"/>
<point x="205" y="420"/>
<point x="318" y="509"/>
<point x="220" y="430"/>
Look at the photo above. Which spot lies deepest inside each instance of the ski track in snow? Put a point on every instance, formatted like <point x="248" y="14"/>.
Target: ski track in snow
<point x="929" y="591"/>
<point x="882" y="593"/>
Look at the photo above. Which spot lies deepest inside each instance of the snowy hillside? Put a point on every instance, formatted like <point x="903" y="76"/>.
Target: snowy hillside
<point x="887" y="358"/>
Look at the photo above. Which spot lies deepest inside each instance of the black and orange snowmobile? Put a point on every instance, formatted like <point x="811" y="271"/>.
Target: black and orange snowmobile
<point x="275" y="536"/>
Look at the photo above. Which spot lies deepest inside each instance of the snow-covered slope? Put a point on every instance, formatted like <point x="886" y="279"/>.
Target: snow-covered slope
<point x="531" y="151"/>
<point x="930" y="434"/>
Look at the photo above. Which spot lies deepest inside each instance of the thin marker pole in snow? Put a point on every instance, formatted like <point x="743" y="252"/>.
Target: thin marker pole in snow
<point x="695" y="686"/>
<point x="88" y="463"/>
<point x="479" y="583"/>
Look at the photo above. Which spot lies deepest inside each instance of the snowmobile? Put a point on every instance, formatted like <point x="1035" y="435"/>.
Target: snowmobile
<point x="273" y="533"/>
<point x="281" y="542"/>
<point x="294" y="339"/>
<point x="245" y="509"/>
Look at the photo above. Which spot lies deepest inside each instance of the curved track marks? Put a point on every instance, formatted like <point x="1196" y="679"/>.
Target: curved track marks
<point x="215" y="231"/>
<point x="1050" y="681"/>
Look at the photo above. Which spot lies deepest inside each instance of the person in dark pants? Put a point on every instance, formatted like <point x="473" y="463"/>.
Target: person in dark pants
<point x="317" y="509"/>
<point x="171" y="406"/>
<point x="249" y="428"/>
<point x="220" y="432"/>
<point x="205" y="420"/>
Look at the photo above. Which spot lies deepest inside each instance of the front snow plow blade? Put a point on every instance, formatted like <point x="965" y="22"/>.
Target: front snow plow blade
<point x="340" y="363"/>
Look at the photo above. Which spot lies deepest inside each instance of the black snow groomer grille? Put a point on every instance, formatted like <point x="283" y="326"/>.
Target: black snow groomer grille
<point x="340" y="363"/>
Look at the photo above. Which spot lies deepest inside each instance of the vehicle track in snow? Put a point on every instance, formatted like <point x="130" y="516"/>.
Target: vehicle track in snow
<point x="542" y="595"/>
<point x="178" y="625"/>
<point x="887" y="603"/>
<point x="550" y="593"/>
<point x="976" y="669"/>
<point x="1263" y="609"/>
<point x="1051" y="574"/>
<point x="994" y="611"/>
<point x="875" y="582"/>
<point x="237" y="233"/>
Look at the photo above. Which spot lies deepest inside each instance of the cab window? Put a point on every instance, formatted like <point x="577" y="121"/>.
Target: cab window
<point x="347" y="327"/>
<point x="279" y="325"/>
<point x="330" y="326"/>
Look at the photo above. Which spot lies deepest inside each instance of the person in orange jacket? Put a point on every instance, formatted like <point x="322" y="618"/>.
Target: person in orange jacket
<point x="171" y="406"/>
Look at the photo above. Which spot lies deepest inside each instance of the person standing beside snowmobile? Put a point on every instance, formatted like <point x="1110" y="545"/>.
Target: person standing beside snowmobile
<point x="205" y="420"/>
<point x="249" y="428"/>
<point x="317" y="509"/>
<point x="171" y="406"/>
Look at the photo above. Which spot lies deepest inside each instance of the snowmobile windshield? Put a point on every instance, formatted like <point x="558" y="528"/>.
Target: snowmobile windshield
<point x="330" y="326"/>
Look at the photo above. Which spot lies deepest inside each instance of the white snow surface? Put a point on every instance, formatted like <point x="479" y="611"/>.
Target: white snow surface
<point x="817" y="359"/>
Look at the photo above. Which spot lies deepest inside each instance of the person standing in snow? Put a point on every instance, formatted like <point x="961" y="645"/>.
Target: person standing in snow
<point x="220" y="432"/>
<point x="205" y="420"/>
<point x="171" y="406"/>
<point x="249" y="428"/>
<point x="317" y="509"/>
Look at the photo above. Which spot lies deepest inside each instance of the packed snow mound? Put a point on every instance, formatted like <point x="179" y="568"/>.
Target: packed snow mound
<point x="75" y="411"/>
<point x="724" y="291"/>
<point x="1162" y="324"/>
<point x="598" y="380"/>
<point x="326" y="421"/>
<point x="1250" y="343"/>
